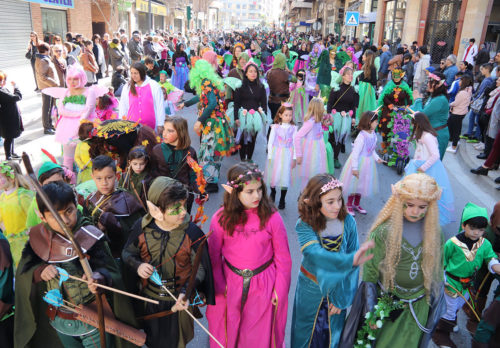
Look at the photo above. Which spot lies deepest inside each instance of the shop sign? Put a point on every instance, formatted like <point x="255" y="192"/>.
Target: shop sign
<point x="125" y="5"/>
<point x="58" y="3"/>
<point x="156" y="9"/>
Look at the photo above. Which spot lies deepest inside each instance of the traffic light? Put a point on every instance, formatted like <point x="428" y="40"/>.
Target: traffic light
<point x="188" y="12"/>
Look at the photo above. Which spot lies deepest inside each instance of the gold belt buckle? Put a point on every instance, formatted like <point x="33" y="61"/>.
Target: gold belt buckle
<point x="247" y="273"/>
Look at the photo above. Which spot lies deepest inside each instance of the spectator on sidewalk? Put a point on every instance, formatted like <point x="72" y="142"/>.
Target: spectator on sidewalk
<point x="118" y="80"/>
<point x="135" y="48"/>
<point x="408" y="68"/>
<point x="116" y="55"/>
<point x="496" y="62"/>
<point x="105" y="46"/>
<point x="459" y="107"/>
<point x="450" y="69"/>
<point x="490" y="121"/>
<point x="46" y="76"/>
<point x="89" y="63"/>
<point x="60" y="64"/>
<point x="423" y="63"/>
<point x="470" y="52"/>
<point x="483" y="56"/>
<point x="465" y="68"/>
<point x="11" y="125"/>
<point x="384" y="63"/>
<point x="69" y="48"/>
<point x="397" y="60"/>
<point x="99" y="56"/>
<point x="125" y="50"/>
<point x="31" y="54"/>
<point x="478" y="99"/>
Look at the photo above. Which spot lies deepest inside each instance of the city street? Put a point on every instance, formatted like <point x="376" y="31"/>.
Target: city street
<point x="466" y="186"/>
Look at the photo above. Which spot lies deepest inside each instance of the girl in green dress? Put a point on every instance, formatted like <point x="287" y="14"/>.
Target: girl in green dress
<point x="406" y="271"/>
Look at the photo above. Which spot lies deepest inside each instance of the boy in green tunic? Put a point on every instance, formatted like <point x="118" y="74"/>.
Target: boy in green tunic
<point x="464" y="255"/>
<point x="47" y="250"/>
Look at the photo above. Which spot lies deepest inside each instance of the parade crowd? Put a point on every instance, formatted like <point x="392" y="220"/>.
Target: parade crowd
<point x="108" y="247"/>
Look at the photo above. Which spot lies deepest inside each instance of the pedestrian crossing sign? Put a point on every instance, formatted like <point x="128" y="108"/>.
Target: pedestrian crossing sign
<point x="352" y="18"/>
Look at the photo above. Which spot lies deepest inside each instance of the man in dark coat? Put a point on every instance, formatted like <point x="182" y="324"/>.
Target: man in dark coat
<point x="11" y="125"/>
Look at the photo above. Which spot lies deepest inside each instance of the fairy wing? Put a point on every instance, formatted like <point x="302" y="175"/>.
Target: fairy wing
<point x="175" y="96"/>
<point x="98" y="91"/>
<point x="233" y="82"/>
<point x="55" y="92"/>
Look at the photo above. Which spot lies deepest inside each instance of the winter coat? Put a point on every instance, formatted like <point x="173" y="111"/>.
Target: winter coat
<point x="46" y="73"/>
<point x="11" y="124"/>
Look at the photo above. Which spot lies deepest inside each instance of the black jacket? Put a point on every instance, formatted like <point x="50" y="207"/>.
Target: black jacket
<point x="251" y="95"/>
<point x="11" y="125"/>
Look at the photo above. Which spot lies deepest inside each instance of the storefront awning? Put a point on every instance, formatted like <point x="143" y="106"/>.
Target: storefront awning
<point x="157" y="9"/>
<point x="57" y="3"/>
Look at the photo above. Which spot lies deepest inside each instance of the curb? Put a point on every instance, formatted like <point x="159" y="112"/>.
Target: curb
<point x="468" y="156"/>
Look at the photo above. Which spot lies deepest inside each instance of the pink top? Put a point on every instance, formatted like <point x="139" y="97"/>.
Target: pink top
<point x="427" y="150"/>
<point x="311" y="129"/>
<point x="141" y="106"/>
<point x="460" y="106"/>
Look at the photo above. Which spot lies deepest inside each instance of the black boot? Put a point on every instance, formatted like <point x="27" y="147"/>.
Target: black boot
<point x="497" y="180"/>
<point x="281" y="204"/>
<point x="441" y="336"/>
<point x="272" y="196"/>
<point x="480" y="171"/>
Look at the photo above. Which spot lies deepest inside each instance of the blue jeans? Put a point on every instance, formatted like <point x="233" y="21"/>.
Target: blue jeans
<point x="473" y="121"/>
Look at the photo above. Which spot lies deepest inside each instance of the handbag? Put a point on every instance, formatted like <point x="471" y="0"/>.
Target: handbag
<point x="28" y="55"/>
<point x="477" y="104"/>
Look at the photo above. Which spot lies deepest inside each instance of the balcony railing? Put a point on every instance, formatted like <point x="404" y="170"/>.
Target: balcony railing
<point x="301" y="4"/>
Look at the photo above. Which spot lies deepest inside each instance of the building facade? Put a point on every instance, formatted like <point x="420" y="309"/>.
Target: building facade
<point x="240" y="14"/>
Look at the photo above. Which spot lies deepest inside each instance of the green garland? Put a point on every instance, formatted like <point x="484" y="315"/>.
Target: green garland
<point x="75" y="99"/>
<point x="367" y="335"/>
<point x="389" y="87"/>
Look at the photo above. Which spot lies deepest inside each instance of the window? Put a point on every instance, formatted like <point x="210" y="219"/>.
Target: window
<point x="394" y="18"/>
<point x="54" y="22"/>
<point x="238" y="6"/>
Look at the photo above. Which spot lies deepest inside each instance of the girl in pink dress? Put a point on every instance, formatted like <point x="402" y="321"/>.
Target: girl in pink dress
<point x="359" y="176"/>
<point x="251" y="262"/>
<point x="142" y="99"/>
<point x="309" y="145"/>
<point x="74" y="104"/>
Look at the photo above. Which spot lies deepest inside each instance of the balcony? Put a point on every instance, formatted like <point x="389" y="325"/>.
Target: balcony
<point x="301" y="4"/>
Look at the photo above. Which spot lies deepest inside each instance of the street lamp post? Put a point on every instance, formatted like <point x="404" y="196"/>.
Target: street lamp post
<point x="150" y="17"/>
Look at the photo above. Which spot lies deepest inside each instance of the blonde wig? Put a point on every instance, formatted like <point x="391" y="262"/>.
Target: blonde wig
<point x="316" y="109"/>
<point x="414" y="186"/>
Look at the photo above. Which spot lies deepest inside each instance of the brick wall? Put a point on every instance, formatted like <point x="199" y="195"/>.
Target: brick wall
<point x="80" y="19"/>
<point x="36" y="19"/>
<point x="105" y="8"/>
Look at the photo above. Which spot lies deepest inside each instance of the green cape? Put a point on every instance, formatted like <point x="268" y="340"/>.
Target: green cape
<point x="390" y="86"/>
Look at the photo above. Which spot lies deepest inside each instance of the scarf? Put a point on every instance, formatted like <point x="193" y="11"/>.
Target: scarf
<point x="493" y="96"/>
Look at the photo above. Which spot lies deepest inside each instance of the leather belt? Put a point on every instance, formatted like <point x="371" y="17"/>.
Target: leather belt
<point x="466" y="282"/>
<point x="247" y="275"/>
<point x="308" y="274"/>
<point x="53" y="312"/>
<point x="441" y="127"/>
<point x="280" y="95"/>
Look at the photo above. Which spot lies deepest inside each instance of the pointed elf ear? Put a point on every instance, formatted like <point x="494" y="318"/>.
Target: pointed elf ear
<point x="154" y="211"/>
<point x="228" y="188"/>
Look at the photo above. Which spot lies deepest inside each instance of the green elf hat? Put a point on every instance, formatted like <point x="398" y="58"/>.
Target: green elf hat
<point x="398" y="74"/>
<point x="163" y="72"/>
<point x="46" y="167"/>
<point x="471" y="211"/>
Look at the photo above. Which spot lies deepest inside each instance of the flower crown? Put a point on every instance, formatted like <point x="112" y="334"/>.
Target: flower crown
<point x="436" y="78"/>
<point x="243" y="179"/>
<point x="6" y="169"/>
<point x="332" y="184"/>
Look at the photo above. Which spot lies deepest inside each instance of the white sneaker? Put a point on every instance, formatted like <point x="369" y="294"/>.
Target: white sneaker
<point x="479" y="147"/>
<point x="451" y="149"/>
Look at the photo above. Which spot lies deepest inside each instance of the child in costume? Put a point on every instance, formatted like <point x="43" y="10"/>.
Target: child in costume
<point x="342" y="103"/>
<point x="359" y="175"/>
<point x="464" y="254"/>
<point x="47" y="253"/>
<point x="328" y="236"/>
<point x="6" y="293"/>
<point x="309" y="144"/>
<point x="302" y="57"/>
<point x="312" y="71"/>
<point x="113" y="210"/>
<point x="74" y="104"/>
<point x="426" y="160"/>
<point x="298" y="97"/>
<point x="15" y="201"/>
<point x="171" y="156"/>
<point x="47" y="173"/>
<point x="82" y="155"/>
<point x="367" y="82"/>
<point x="251" y="265"/>
<point x="405" y="275"/>
<point x="164" y="241"/>
<point x="171" y="95"/>
<point x="180" y="67"/>
<point x="106" y="107"/>
<point x="396" y="93"/>
<point x="217" y="139"/>
<point x="137" y="176"/>
<point x="281" y="153"/>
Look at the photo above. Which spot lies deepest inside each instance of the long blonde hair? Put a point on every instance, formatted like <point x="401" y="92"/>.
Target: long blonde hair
<point x="19" y="179"/>
<point x="414" y="186"/>
<point x="316" y="109"/>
